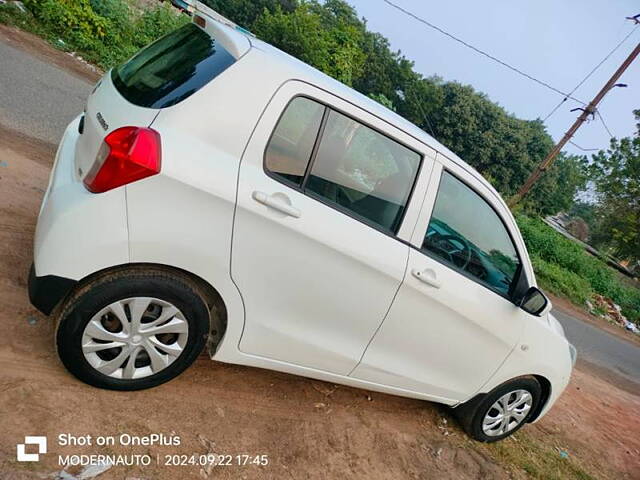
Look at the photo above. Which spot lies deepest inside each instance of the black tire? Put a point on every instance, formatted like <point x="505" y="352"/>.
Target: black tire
<point x="107" y="288"/>
<point x="472" y="414"/>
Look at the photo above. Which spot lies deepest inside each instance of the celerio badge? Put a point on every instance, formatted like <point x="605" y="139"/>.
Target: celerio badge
<point x="103" y="123"/>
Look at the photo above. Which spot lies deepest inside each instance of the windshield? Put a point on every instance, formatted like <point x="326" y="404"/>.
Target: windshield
<point x="172" y="68"/>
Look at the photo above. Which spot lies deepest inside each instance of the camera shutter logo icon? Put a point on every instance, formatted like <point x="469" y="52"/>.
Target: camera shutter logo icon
<point x="22" y="454"/>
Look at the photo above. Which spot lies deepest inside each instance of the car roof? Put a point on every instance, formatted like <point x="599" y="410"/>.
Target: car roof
<point x="295" y="69"/>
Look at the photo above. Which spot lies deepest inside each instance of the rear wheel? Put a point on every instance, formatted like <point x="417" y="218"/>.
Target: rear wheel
<point x="501" y="412"/>
<point x="132" y="329"/>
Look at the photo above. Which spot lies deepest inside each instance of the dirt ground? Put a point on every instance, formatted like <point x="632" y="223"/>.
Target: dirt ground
<point x="308" y="429"/>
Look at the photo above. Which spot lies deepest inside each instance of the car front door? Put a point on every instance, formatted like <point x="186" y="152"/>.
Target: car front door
<point x="452" y="323"/>
<point x="322" y="199"/>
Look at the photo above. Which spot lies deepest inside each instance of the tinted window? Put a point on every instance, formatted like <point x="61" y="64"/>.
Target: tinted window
<point x="292" y="142"/>
<point x="172" y="68"/>
<point x="363" y="172"/>
<point x="467" y="233"/>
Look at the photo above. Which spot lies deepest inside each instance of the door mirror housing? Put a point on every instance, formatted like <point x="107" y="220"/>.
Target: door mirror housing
<point x="534" y="302"/>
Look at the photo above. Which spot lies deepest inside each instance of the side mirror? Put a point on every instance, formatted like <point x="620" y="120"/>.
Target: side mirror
<point x="534" y="302"/>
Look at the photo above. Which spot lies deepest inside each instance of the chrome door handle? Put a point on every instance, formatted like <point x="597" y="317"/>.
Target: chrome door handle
<point x="427" y="276"/>
<point x="276" y="204"/>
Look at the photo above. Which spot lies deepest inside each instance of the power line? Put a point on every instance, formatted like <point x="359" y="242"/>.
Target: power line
<point x="482" y="52"/>
<point x="584" y="149"/>
<point x="604" y="123"/>
<point x="591" y="73"/>
<point x="556" y="107"/>
<point x="426" y="117"/>
<point x="589" y="110"/>
<point x="424" y="114"/>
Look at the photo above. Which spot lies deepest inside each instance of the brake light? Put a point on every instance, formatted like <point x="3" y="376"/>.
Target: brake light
<point x="127" y="155"/>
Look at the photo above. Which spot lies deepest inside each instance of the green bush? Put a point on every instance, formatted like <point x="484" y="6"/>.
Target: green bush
<point x="561" y="281"/>
<point x="564" y="267"/>
<point x="105" y="32"/>
<point x="73" y="19"/>
<point x="156" y="23"/>
<point x="114" y="10"/>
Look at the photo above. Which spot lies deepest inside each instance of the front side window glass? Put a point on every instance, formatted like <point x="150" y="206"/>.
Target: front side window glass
<point x="468" y="234"/>
<point x="291" y="144"/>
<point x="363" y="172"/>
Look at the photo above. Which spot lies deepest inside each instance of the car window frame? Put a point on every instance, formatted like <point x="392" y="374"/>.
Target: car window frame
<point x="514" y="282"/>
<point x="301" y="188"/>
<point x="316" y="145"/>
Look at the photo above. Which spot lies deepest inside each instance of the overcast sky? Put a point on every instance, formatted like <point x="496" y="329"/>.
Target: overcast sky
<point x="557" y="41"/>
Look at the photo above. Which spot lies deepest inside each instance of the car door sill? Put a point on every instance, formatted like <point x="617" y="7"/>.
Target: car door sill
<point x="280" y="366"/>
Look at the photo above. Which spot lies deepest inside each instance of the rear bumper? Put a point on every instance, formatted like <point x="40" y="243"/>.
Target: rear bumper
<point x="47" y="292"/>
<point x="78" y="232"/>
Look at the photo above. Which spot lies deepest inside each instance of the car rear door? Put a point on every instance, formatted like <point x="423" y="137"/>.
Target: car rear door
<point x="316" y="252"/>
<point x="452" y="323"/>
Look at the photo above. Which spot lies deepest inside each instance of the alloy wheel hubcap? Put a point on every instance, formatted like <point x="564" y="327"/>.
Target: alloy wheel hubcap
<point x="507" y="413"/>
<point x="135" y="337"/>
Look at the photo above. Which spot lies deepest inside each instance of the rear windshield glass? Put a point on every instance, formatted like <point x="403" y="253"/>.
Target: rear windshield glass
<point x="172" y="68"/>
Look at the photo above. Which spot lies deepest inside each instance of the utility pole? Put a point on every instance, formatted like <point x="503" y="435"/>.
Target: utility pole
<point x="588" y="110"/>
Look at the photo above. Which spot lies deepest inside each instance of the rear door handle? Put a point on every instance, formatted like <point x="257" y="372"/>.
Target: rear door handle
<point x="276" y="203"/>
<point x="427" y="276"/>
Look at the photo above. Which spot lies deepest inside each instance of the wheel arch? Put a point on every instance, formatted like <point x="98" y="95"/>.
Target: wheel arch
<point x="545" y="386"/>
<point x="215" y="303"/>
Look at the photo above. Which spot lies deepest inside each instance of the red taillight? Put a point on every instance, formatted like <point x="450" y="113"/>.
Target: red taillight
<point x="127" y="154"/>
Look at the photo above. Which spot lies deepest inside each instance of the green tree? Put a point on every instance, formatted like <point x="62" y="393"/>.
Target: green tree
<point x="330" y="36"/>
<point x="384" y="72"/>
<point x="245" y="12"/>
<point x="586" y="211"/>
<point x="382" y="99"/>
<point x="616" y="175"/>
<point x="557" y="189"/>
<point x="317" y="35"/>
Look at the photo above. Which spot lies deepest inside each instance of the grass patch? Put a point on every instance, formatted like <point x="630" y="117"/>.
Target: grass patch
<point x="564" y="268"/>
<point x="538" y="460"/>
<point x="104" y="32"/>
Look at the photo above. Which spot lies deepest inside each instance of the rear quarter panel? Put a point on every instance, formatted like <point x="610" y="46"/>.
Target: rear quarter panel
<point x="78" y="233"/>
<point x="184" y="216"/>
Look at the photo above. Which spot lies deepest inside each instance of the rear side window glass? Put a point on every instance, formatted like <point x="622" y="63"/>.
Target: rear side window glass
<point x="467" y="233"/>
<point x="172" y="68"/>
<point x="292" y="142"/>
<point x="363" y="172"/>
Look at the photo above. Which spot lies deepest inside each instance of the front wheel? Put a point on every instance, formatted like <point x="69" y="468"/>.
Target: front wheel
<point x="502" y="412"/>
<point x="133" y="329"/>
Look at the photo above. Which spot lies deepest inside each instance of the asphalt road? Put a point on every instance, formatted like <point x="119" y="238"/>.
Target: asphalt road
<point x="40" y="99"/>
<point x="601" y="348"/>
<point x="37" y="98"/>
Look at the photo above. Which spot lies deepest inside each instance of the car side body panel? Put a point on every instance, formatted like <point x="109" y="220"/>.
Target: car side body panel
<point x="316" y="288"/>
<point x="190" y="225"/>
<point x="447" y="340"/>
<point x="184" y="218"/>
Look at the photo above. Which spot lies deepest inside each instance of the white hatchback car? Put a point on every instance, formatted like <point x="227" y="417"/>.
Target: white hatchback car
<point x="218" y="192"/>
